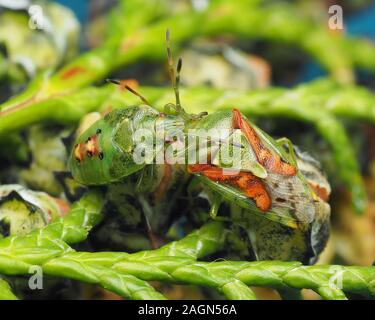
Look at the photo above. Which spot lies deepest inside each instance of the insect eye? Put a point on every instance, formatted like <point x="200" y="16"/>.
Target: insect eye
<point x="101" y="155"/>
<point x="99" y="131"/>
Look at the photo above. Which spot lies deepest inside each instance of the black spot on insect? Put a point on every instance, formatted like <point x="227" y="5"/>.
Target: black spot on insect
<point x="275" y="185"/>
<point x="4" y="228"/>
<point x="99" y="131"/>
<point x="89" y="154"/>
<point x="32" y="209"/>
<point x="88" y="139"/>
<point x="288" y="231"/>
<point x="280" y="200"/>
<point x="101" y="155"/>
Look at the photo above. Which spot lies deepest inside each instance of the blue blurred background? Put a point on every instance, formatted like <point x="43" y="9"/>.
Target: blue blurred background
<point x="360" y="23"/>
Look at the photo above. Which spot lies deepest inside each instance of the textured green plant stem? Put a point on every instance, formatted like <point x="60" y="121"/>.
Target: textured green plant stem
<point x="353" y="102"/>
<point x="224" y="276"/>
<point x="58" y="109"/>
<point x="201" y="243"/>
<point x="176" y="262"/>
<point x="84" y="266"/>
<point x="349" y="101"/>
<point x="276" y="274"/>
<point x="83" y="215"/>
<point x="6" y="292"/>
<point x="19" y="253"/>
<point x="94" y="270"/>
<point x="52" y="240"/>
<point x="130" y="43"/>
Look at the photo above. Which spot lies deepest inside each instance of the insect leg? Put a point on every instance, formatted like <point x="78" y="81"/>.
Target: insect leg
<point x="272" y="162"/>
<point x="285" y="141"/>
<point x="147" y="212"/>
<point x="169" y="107"/>
<point x="216" y="202"/>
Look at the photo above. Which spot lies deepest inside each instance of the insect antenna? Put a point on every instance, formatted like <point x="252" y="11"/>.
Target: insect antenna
<point x="120" y="83"/>
<point x="174" y="74"/>
<point x="177" y="88"/>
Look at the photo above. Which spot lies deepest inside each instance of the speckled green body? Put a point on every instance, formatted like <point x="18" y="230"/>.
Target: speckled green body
<point x="115" y="141"/>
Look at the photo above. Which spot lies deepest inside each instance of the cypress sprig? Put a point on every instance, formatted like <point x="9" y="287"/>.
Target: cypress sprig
<point x="125" y="44"/>
<point x="177" y="262"/>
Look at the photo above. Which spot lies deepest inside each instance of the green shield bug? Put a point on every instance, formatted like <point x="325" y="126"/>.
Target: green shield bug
<point x="271" y="179"/>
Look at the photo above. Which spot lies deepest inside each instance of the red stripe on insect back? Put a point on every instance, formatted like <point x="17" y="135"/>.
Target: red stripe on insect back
<point x="271" y="161"/>
<point x="72" y="72"/>
<point x="252" y="186"/>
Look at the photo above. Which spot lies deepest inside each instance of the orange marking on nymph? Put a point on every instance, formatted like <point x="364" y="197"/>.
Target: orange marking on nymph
<point x="92" y="146"/>
<point x="251" y="185"/>
<point x="79" y="152"/>
<point x="89" y="148"/>
<point x="271" y="161"/>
